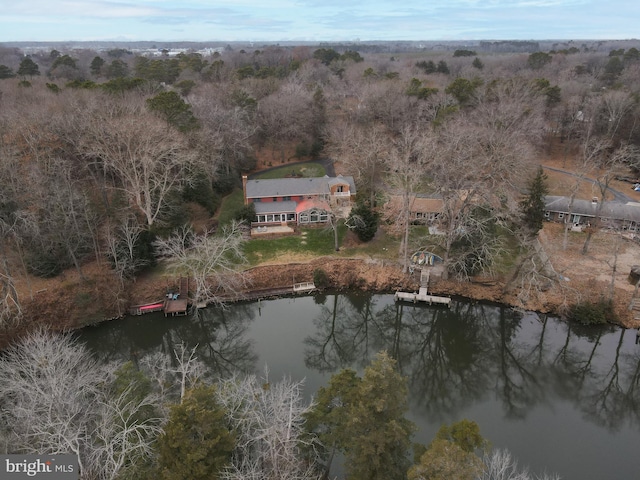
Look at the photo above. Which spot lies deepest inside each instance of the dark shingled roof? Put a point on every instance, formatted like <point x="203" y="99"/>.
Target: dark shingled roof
<point x="275" y="207"/>
<point x="587" y="208"/>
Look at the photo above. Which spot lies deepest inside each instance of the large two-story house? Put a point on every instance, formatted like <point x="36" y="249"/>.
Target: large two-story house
<point x="301" y="201"/>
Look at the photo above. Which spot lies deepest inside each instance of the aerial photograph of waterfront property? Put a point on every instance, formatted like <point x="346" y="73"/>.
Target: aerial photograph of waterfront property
<point x="319" y="240"/>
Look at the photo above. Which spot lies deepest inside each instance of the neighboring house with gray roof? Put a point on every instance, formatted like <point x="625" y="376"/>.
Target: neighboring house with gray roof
<point x="615" y="215"/>
<point x="298" y="200"/>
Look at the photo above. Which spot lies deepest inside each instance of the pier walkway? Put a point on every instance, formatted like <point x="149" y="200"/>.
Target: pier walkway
<point x="423" y="296"/>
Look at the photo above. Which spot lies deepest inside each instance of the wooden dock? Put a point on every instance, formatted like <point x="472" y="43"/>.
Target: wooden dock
<point x="269" y="293"/>
<point x="262" y="294"/>
<point x="635" y="308"/>
<point x="423" y="296"/>
<point x="177" y="305"/>
<point x="174" y="304"/>
<point x="303" y="287"/>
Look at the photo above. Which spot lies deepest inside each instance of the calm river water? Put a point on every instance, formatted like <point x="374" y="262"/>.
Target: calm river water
<point x="562" y="398"/>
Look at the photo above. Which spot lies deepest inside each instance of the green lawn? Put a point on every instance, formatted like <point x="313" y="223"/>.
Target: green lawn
<point x="231" y="204"/>
<point x="316" y="241"/>
<point x="299" y="169"/>
<point x="382" y="246"/>
<point x="319" y="241"/>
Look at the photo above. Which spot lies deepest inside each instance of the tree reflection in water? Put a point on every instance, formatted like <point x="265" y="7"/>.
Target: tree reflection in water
<point x="457" y="357"/>
<point x="219" y="334"/>
<point x="519" y="372"/>
<point x="345" y="327"/>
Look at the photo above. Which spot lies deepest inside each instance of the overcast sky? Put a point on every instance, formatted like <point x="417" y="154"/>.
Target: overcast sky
<point x="317" y="20"/>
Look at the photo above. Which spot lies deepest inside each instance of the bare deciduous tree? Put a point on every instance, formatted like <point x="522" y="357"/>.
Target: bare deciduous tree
<point x="50" y="388"/>
<point x="268" y="419"/>
<point x="224" y="141"/>
<point x="500" y="465"/>
<point x="121" y="438"/>
<point x="405" y="165"/>
<point x="148" y="159"/>
<point x="10" y="306"/>
<point x="615" y="104"/>
<point x="361" y="149"/>
<point x="287" y="115"/>
<point x="122" y="239"/>
<point x="209" y="259"/>
<point x="157" y="366"/>
<point x="481" y="156"/>
<point x="56" y="399"/>
<point x="611" y="164"/>
<point x="189" y="369"/>
<point x="385" y="102"/>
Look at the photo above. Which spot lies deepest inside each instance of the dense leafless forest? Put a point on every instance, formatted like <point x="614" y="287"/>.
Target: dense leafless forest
<point x="102" y="151"/>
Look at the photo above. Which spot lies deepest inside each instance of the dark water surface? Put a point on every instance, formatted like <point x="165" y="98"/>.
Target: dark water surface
<point x="561" y="397"/>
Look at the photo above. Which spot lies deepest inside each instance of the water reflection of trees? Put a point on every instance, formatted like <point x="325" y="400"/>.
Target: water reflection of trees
<point x="453" y="358"/>
<point x="520" y="381"/>
<point x="632" y="391"/>
<point x="223" y="344"/>
<point x="345" y="333"/>
<point x="440" y="352"/>
<point x="219" y="334"/>
<point x="457" y="357"/>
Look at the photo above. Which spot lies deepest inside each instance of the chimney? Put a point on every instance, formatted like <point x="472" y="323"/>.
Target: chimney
<point x="244" y="189"/>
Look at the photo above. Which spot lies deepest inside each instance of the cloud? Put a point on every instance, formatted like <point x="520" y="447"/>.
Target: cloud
<point x="318" y="19"/>
<point x="67" y="8"/>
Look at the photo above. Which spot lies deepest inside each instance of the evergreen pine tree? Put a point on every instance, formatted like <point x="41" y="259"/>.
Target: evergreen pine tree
<point x="363" y="221"/>
<point x="532" y="206"/>
<point x="28" y="68"/>
<point x="364" y="419"/>
<point x="196" y="443"/>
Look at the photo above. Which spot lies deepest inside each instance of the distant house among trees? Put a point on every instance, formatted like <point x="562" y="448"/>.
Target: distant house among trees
<point x="425" y="209"/>
<point x="614" y="215"/>
<point x="302" y="201"/>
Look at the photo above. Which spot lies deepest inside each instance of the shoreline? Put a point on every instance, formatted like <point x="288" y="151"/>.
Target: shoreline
<point x="60" y="310"/>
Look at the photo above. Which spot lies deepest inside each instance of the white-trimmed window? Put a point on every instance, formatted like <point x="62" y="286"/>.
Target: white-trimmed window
<point x="314" y="215"/>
